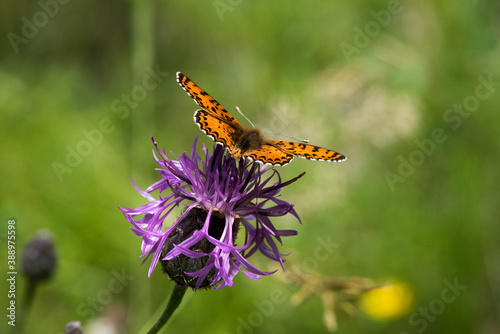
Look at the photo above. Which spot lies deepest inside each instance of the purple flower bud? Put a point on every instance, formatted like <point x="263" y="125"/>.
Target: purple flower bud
<point x="39" y="260"/>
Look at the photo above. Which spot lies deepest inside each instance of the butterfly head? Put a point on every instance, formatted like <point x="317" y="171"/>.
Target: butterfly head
<point x="236" y="153"/>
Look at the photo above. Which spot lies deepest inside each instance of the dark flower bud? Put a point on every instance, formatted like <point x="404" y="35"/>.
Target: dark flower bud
<point x="177" y="268"/>
<point x="38" y="261"/>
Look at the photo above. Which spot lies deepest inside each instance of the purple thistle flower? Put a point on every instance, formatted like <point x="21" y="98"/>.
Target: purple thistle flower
<point x="220" y="195"/>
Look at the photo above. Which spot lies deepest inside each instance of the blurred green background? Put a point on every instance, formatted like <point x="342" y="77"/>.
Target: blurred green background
<point x="408" y="91"/>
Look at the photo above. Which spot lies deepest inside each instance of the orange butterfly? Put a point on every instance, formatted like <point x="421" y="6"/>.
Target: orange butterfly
<point x="218" y="123"/>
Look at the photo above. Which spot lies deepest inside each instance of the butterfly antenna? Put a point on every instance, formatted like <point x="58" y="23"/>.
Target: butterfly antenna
<point x="242" y="114"/>
<point x="305" y="141"/>
<point x="274" y="133"/>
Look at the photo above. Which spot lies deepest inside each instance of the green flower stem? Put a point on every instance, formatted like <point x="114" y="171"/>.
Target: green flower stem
<point x="173" y="303"/>
<point x="29" y="296"/>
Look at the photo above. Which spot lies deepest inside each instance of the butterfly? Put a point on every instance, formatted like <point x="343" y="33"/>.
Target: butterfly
<point x="217" y="123"/>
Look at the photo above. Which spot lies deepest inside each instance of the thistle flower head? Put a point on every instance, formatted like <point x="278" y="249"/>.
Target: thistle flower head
<point x="222" y="198"/>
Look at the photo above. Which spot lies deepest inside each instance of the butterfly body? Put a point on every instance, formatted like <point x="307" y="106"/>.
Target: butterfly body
<point x="250" y="139"/>
<point x="217" y="123"/>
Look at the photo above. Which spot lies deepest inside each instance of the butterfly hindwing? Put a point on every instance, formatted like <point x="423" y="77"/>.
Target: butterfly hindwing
<point x="220" y="131"/>
<point x="205" y="101"/>
<point x="269" y="154"/>
<point x="307" y="151"/>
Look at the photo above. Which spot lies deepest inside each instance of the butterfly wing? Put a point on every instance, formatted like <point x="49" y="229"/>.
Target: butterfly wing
<point x="222" y="132"/>
<point x="269" y="154"/>
<point x="205" y="101"/>
<point x="307" y="151"/>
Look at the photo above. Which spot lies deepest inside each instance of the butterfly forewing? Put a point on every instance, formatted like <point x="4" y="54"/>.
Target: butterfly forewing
<point x="204" y="100"/>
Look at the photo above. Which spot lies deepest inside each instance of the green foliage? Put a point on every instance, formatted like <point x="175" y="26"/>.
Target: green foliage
<point x="406" y="204"/>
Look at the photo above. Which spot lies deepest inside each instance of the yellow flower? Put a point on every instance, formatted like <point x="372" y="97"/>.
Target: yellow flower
<point x="388" y="302"/>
